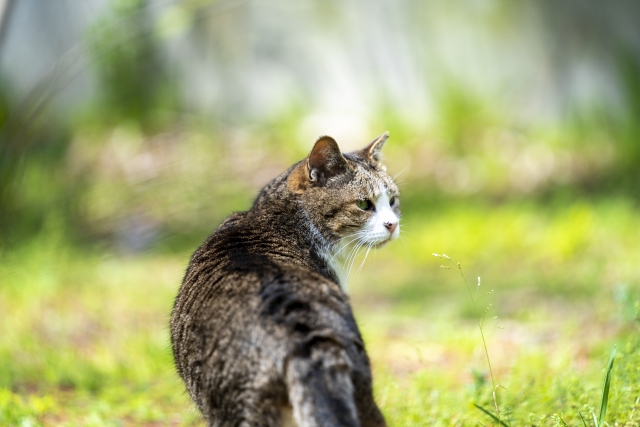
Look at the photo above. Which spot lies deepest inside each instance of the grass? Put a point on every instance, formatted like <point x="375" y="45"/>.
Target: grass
<point x="85" y="338"/>
<point x="85" y="342"/>
<point x="481" y="318"/>
<point x="605" y="389"/>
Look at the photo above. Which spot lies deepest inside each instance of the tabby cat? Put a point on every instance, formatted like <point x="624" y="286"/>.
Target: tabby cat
<point x="262" y="332"/>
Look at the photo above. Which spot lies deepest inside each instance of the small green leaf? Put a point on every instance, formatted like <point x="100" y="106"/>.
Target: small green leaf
<point x="496" y="419"/>
<point x="583" y="421"/>
<point x="605" y="389"/>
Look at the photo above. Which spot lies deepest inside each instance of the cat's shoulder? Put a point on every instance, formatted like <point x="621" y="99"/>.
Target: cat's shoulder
<point x="232" y="220"/>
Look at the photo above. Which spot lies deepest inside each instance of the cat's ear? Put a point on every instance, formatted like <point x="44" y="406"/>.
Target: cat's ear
<point x="325" y="161"/>
<point x="372" y="152"/>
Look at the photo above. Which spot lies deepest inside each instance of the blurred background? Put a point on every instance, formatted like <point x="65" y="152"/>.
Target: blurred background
<point x="131" y="128"/>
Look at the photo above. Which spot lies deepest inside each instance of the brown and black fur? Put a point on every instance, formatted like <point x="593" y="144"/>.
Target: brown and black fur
<point x="261" y="328"/>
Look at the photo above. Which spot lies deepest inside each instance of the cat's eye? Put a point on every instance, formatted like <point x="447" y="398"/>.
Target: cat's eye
<point x="364" y="204"/>
<point x="392" y="201"/>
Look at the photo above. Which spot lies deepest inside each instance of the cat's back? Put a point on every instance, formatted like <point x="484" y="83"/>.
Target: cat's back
<point x="248" y="269"/>
<point x="245" y="305"/>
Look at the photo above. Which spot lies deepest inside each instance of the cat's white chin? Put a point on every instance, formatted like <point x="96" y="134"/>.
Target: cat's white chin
<point x="385" y="241"/>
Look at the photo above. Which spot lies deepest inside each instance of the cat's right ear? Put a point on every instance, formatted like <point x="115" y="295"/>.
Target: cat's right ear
<point x="323" y="163"/>
<point x="372" y="152"/>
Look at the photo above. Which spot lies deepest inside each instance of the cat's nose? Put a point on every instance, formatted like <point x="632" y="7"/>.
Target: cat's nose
<point x="391" y="226"/>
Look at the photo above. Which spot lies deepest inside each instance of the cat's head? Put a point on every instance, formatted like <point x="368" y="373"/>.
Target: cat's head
<point x="348" y="196"/>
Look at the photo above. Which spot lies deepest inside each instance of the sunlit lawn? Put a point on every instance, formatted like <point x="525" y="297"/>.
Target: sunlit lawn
<point x="84" y="335"/>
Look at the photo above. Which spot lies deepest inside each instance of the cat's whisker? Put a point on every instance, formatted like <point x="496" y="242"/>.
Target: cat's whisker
<point x="406" y="246"/>
<point x="354" y="252"/>
<point x="365" y="258"/>
<point x="400" y="173"/>
<point x="358" y="235"/>
<point x="407" y="224"/>
<point x="344" y="263"/>
<point x="350" y="258"/>
<point x="345" y="268"/>
<point x="357" y="253"/>
<point x="408" y="234"/>
<point x="343" y="246"/>
<point x="408" y="231"/>
<point x="362" y="247"/>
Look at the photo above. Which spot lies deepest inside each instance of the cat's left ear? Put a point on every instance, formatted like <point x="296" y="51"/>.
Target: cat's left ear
<point x="325" y="161"/>
<point x="372" y="152"/>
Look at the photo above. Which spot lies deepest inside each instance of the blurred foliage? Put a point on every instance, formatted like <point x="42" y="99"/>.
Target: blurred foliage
<point x="35" y="186"/>
<point x="133" y="79"/>
<point x="629" y="158"/>
<point x="133" y="161"/>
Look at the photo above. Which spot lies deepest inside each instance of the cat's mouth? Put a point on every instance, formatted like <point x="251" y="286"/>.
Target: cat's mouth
<point x="381" y="243"/>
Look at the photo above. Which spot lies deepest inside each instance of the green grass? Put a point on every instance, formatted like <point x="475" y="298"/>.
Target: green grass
<point x="85" y="341"/>
<point x="84" y="334"/>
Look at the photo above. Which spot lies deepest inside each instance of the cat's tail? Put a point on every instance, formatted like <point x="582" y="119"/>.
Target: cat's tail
<point x="320" y="387"/>
<point x="325" y="367"/>
<point x="326" y="389"/>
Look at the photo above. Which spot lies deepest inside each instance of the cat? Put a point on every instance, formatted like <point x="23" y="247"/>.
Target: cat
<point x="262" y="332"/>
